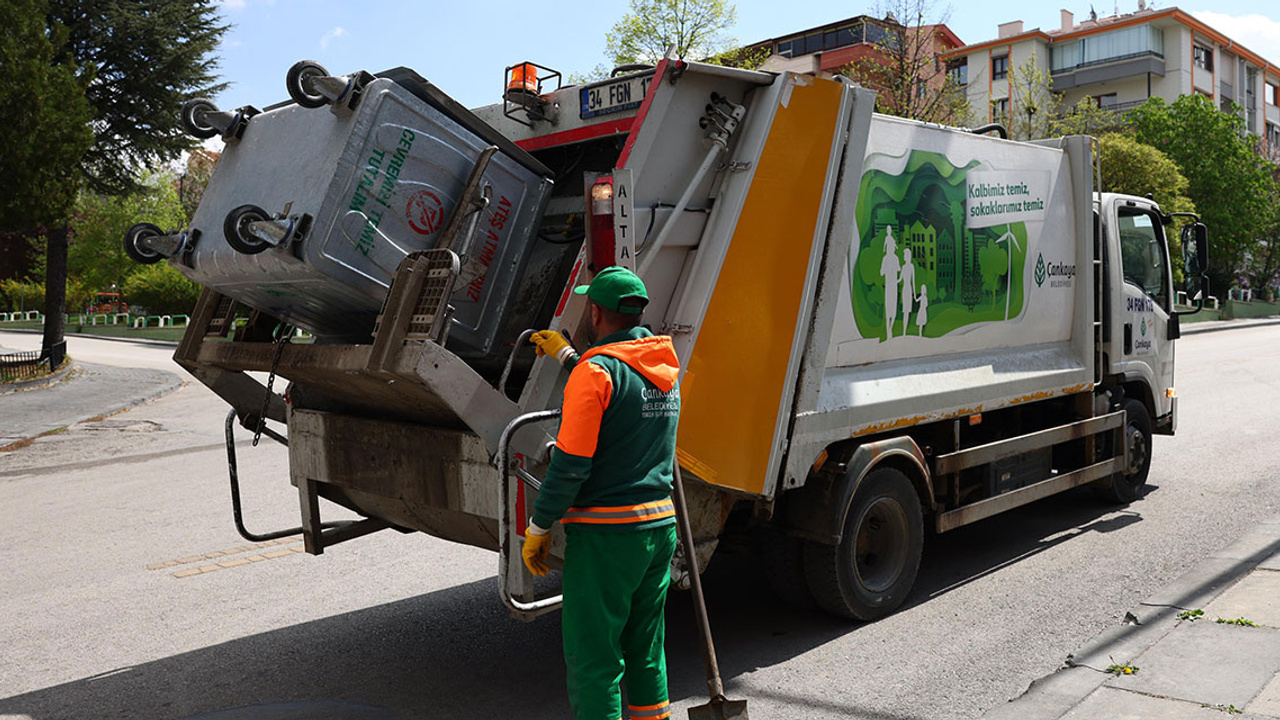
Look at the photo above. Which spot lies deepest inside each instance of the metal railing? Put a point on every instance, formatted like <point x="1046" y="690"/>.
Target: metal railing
<point x="21" y="365"/>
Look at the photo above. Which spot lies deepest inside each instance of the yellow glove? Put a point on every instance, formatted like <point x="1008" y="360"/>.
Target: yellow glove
<point x="550" y="342"/>
<point x="536" y="547"/>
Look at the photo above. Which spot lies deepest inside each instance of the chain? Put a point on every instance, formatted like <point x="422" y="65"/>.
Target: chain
<point x="282" y="332"/>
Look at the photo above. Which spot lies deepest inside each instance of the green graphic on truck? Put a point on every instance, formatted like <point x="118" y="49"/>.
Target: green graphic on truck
<point x="939" y="246"/>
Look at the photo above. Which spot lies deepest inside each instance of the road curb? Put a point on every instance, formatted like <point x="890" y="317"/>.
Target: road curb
<point x="1220" y="325"/>
<point x="90" y="336"/>
<point x="174" y="384"/>
<point x="39" y="383"/>
<point x="1056" y="694"/>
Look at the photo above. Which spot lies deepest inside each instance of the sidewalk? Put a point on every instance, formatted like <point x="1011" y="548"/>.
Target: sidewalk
<point x="87" y="391"/>
<point x="1184" y="668"/>
<point x="1215" y="325"/>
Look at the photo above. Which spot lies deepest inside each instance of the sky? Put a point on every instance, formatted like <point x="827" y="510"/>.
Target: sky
<point x="463" y="48"/>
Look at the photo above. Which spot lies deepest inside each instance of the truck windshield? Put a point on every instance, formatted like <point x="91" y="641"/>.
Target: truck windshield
<point x="1142" y="253"/>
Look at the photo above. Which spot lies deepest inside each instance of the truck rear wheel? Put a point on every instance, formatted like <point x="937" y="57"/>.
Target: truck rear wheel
<point x="869" y="573"/>
<point x="1125" y="487"/>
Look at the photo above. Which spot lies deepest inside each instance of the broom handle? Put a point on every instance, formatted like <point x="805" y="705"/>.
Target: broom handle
<point x="714" y="686"/>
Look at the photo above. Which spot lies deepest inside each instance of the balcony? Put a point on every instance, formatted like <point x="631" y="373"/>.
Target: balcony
<point x="1109" y="56"/>
<point x="1107" y="69"/>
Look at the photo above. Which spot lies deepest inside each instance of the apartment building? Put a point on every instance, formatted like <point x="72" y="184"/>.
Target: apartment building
<point x="826" y="50"/>
<point x="1122" y="60"/>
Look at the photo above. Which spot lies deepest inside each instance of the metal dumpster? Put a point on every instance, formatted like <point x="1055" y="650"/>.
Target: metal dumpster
<point x="362" y="187"/>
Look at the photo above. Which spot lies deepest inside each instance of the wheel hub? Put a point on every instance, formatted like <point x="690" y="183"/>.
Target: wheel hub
<point x="880" y="549"/>
<point x="1137" y="450"/>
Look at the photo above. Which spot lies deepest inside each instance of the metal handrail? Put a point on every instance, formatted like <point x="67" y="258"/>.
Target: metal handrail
<point x="511" y="361"/>
<point x="236" y="508"/>
<point x="504" y="515"/>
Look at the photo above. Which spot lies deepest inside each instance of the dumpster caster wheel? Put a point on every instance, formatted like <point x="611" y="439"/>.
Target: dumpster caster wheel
<point x="236" y="229"/>
<point x="135" y="249"/>
<point x="298" y="82"/>
<point x="193" y="118"/>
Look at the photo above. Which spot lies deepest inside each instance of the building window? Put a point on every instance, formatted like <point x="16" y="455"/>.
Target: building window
<point x="1273" y="135"/>
<point x="1204" y="57"/>
<point x="1000" y="67"/>
<point x="1271" y="92"/>
<point x="1107" y="47"/>
<point x="958" y="71"/>
<point x="1106" y="102"/>
<point x="820" y="41"/>
<point x="1000" y="110"/>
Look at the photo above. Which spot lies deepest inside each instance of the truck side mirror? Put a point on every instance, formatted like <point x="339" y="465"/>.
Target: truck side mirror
<point x="1195" y="250"/>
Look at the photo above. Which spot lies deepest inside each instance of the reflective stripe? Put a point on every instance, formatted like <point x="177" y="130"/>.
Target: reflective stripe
<point x="650" y="712"/>
<point x="621" y="514"/>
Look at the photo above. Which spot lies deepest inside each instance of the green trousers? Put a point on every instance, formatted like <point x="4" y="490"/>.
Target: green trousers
<point x="615" y="592"/>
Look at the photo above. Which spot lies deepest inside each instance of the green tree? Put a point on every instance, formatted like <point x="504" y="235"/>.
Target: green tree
<point x="1231" y="184"/>
<point x="96" y="256"/>
<point x="137" y="61"/>
<point x="1132" y="168"/>
<point x="195" y="178"/>
<point x="44" y="121"/>
<point x="695" y="27"/>
<point x="905" y="71"/>
<point x="162" y="290"/>
<point x="44" y="130"/>
<point x="1035" y="107"/>
<point x="1086" y="117"/>
<point x="146" y="58"/>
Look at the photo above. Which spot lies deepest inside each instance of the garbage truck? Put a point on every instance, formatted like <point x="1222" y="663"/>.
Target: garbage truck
<point x="886" y="327"/>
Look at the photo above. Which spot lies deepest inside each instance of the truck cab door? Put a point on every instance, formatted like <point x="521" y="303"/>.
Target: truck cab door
<point x="1141" y="346"/>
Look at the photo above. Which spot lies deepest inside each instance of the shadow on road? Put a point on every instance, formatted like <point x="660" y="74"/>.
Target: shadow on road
<point x="455" y="654"/>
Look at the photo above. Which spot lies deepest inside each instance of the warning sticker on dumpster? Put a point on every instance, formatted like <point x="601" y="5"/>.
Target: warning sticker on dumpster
<point x="424" y="212"/>
<point x="999" y="198"/>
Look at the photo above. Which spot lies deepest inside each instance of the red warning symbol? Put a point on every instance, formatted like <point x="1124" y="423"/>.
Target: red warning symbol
<point x="425" y="212"/>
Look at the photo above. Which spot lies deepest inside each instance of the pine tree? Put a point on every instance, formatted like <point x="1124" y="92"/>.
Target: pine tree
<point x="137" y="62"/>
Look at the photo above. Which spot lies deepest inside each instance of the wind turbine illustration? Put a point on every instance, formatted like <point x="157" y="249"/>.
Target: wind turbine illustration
<point x="1013" y="243"/>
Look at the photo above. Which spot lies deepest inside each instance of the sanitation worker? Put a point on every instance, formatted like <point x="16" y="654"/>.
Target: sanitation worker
<point x="609" y="484"/>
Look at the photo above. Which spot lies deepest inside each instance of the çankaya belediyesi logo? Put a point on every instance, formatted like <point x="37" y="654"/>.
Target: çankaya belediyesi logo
<point x="1059" y="274"/>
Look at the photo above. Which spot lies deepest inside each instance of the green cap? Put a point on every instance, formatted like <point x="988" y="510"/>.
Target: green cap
<point x="613" y="285"/>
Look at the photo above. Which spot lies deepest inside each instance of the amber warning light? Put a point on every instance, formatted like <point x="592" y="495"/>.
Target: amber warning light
<point x="523" y="81"/>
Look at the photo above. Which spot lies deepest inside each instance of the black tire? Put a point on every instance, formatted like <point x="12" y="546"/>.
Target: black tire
<point x="193" y="121"/>
<point x="784" y="563"/>
<point x="1128" y="486"/>
<point x="297" y="81"/>
<point x="870" y="572"/>
<point x="237" y="237"/>
<point x="133" y="247"/>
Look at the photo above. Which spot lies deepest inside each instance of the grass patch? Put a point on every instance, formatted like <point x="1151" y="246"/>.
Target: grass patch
<point x="117" y="331"/>
<point x="1191" y="615"/>
<point x="26" y="442"/>
<point x="1238" y="621"/>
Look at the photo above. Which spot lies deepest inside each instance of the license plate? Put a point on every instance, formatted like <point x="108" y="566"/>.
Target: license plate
<point x="613" y="97"/>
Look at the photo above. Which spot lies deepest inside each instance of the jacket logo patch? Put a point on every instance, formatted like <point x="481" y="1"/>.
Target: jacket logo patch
<point x="660" y="404"/>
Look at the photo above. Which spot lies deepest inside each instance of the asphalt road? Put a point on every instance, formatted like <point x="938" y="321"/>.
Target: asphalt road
<point x="100" y="616"/>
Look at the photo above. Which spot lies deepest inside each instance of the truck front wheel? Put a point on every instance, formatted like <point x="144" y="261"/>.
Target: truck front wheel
<point x="1125" y="487"/>
<point x="869" y="573"/>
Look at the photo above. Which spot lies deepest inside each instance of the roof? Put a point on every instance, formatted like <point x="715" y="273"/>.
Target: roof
<point x="944" y="32"/>
<point x="1115" y="22"/>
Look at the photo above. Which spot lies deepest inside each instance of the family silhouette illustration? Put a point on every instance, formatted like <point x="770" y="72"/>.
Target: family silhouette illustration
<point x="900" y="282"/>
